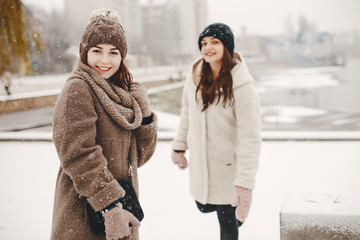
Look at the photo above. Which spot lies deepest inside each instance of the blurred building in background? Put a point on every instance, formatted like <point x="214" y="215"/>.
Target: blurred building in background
<point x="158" y="32"/>
<point x="306" y="48"/>
<point x="76" y="14"/>
<point x="165" y="32"/>
<point x="171" y="30"/>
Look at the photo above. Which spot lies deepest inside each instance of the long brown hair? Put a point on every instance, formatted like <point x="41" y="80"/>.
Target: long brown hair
<point x="222" y="86"/>
<point x="121" y="78"/>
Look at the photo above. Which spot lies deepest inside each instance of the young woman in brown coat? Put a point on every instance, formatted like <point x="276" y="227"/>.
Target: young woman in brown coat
<point x="99" y="113"/>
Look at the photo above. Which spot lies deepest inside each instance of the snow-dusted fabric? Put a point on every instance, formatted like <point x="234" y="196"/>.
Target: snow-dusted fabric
<point x="224" y="142"/>
<point x="92" y="124"/>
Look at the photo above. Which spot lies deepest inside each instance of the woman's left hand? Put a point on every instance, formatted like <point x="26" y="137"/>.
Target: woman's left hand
<point x="139" y="92"/>
<point x="242" y="199"/>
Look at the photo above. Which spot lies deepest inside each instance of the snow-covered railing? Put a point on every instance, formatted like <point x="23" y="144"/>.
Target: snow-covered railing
<point x="167" y="133"/>
<point x="34" y="99"/>
<point x="311" y="135"/>
<point x="166" y="87"/>
<point x="35" y="94"/>
<point x="24" y="101"/>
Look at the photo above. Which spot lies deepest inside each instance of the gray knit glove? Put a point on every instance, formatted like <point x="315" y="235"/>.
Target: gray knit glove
<point x="139" y="92"/>
<point x="117" y="222"/>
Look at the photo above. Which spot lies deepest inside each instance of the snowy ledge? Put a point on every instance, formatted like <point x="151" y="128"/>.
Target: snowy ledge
<point x="320" y="216"/>
<point x="311" y="135"/>
<point x="169" y="134"/>
<point x="47" y="136"/>
<point x="23" y="101"/>
<point x="37" y="94"/>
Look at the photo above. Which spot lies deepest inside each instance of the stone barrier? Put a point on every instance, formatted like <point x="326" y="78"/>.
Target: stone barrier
<point x="25" y="101"/>
<point x="320" y="217"/>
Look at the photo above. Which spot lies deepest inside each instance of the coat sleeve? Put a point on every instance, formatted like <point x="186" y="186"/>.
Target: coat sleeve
<point x="180" y="140"/>
<point x="248" y="121"/>
<point x="74" y="134"/>
<point x="146" y="139"/>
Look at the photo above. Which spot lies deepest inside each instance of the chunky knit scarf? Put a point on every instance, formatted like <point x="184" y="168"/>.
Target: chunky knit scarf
<point x="118" y="103"/>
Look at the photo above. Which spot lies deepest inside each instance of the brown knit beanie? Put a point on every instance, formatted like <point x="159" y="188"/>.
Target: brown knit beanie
<point x="104" y="28"/>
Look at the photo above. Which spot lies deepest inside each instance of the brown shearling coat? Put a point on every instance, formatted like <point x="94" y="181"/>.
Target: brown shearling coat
<point x="93" y="121"/>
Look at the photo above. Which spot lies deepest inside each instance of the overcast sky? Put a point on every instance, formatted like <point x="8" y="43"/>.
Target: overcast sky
<point x="269" y="16"/>
<point x="266" y="17"/>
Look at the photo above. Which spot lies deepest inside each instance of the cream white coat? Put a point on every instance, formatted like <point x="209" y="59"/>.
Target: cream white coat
<point x="224" y="142"/>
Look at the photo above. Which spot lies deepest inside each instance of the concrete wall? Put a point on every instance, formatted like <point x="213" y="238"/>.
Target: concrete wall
<point x="21" y="102"/>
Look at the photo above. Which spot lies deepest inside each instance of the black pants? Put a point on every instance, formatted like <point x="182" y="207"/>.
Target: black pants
<point x="226" y="215"/>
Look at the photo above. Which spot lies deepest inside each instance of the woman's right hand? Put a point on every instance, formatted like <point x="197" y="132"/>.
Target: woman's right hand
<point x="179" y="159"/>
<point x="117" y="223"/>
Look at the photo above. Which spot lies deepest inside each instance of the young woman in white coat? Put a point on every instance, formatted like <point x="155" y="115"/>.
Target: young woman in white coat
<point x="220" y="125"/>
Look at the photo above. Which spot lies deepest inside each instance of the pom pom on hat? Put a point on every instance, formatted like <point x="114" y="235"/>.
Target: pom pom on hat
<point x="104" y="27"/>
<point x="104" y="13"/>
<point x="220" y="31"/>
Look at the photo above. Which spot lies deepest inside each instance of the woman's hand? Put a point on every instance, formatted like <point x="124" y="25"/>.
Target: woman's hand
<point x="117" y="223"/>
<point x="242" y="199"/>
<point x="139" y="92"/>
<point x="179" y="159"/>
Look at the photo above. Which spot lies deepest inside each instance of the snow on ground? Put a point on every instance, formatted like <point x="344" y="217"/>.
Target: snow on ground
<point x="289" y="114"/>
<point x="305" y="78"/>
<point x="28" y="172"/>
<point x="330" y="213"/>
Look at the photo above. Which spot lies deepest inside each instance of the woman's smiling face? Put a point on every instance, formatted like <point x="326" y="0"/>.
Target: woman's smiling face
<point x="105" y="59"/>
<point x="212" y="49"/>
